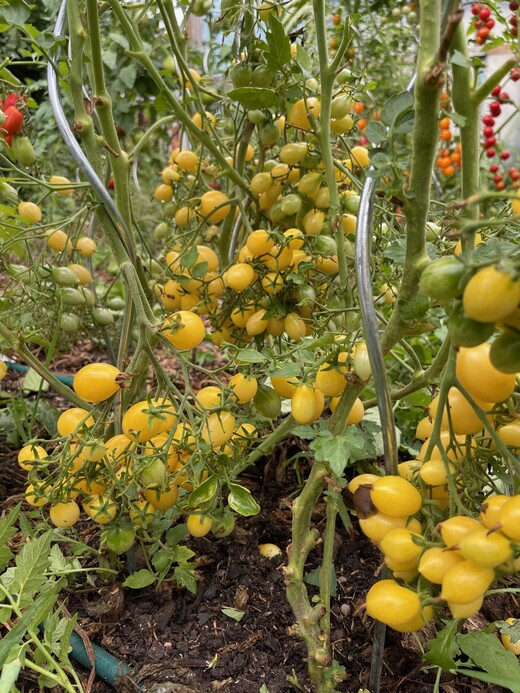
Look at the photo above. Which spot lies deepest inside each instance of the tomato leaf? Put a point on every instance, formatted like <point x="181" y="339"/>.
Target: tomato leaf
<point x="254" y="97"/>
<point x="235" y="614"/>
<point x="185" y="577"/>
<point x="375" y="132"/>
<point x="205" y="492"/>
<point x="279" y="45"/>
<point x="512" y="684"/>
<point x="143" y="578"/>
<point x="249" y="356"/>
<point x="395" y="106"/>
<point x="444" y="647"/>
<point x="241" y="501"/>
<point x="488" y="653"/>
<point x="341" y="451"/>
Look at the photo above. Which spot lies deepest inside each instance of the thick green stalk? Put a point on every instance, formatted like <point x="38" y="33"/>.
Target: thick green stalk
<point x="103" y="105"/>
<point x="430" y="79"/>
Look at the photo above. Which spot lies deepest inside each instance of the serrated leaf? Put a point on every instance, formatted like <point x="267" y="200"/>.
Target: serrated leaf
<point x="127" y="75"/>
<point x="249" y="356"/>
<point x="305" y="432"/>
<point x="444" y="647"/>
<point x="396" y="251"/>
<point x="375" y="132"/>
<point x="415" y="309"/>
<point x="205" y="492"/>
<point x="303" y="58"/>
<point x="31" y="564"/>
<point x="235" y="614"/>
<point x="143" y="578"/>
<point x="502" y="681"/>
<point x="279" y="53"/>
<point x="11" y="669"/>
<point x="67" y="636"/>
<point x="31" y="618"/>
<point x="488" y="653"/>
<point x="241" y="501"/>
<point x="176" y="534"/>
<point x="185" y="577"/>
<point x="254" y="97"/>
<point x="395" y="106"/>
<point x="340" y="451"/>
<point x="58" y="562"/>
<point x="7" y="530"/>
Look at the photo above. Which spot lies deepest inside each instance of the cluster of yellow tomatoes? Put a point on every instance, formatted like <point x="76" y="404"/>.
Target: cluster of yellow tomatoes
<point x="462" y="554"/>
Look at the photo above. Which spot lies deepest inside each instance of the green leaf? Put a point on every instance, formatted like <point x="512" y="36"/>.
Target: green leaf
<point x="457" y="118"/>
<point x="249" y="356"/>
<point x="444" y="647"/>
<point x="313" y="578"/>
<point x="459" y="59"/>
<point x="303" y="58"/>
<point x="235" y="614"/>
<point x="241" y="501"/>
<point x="185" y="577"/>
<point x="395" y="106"/>
<point x="176" y="534"/>
<point x="33" y="382"/>
<point x="127" y="75"/>
<point x="205" y="492"/>
<point x="254" y="97"/>
<point x="339" y="451"/>
<point x="17" y="12"/>
<point x="11" y="669"/>
<point x="396" y="251"/>
<point x="503" y="681"/>
<point x="375" y="132"/>
<point x="7" y="530"/>
<point x="304" y="431"/>
<point x="119" y="39"/>
<point x="65" y="645"/>
<point x="31" y="564"/>
<point x="415" y="309"/>
<point x="279" y="53"/>
<point x="143" y="578"/>
<point x="512" y="630"/>
<point x="488" y="653"/>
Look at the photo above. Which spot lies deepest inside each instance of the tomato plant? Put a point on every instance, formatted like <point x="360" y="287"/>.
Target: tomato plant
<point x="218" y="216"/>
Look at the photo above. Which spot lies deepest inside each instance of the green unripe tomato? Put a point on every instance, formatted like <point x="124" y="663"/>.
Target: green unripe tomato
<point x="116" y="303"/>
<point x="326" y="246"/>
<point x="119" y="537"/>
<point x="103" y="316"/>
<point x="69" y="323"/>
<point x="63" y="276"/>
<point x="23" y="151"/>
<point x="161" y="231"/>
<point x="72" y="297"/>
<point x="241" y="75"/>
<point x="441" y="280"/>
<point x="267" y="401"/>
<point x="257" y="117"/>
<point x="262" y="76"/>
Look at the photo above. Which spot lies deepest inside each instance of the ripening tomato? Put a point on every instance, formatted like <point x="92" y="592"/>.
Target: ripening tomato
<point x="198" y="525"/>
<point x="101" y="508"/>
<point x="303" y="405"/>
<point x="285" y="387"/>
<point x="465" y="582"/>
<point x="239" y="276"/>
<point x="86" y="246"/>
<point x="436" y="561"/>
<point x="480" y="377"/>
<point x="64" y="514"/>
<point x="377" y="526"/>
<point x="509" y="518"/>
<point x="455" y="527"/>
<point x="514" y="647"/>
<point x="145" y="419"/>
<point x="35" y="494"/>
<point x="30" y="454"/>
<point x="462" y="417"/>
<point x="490" y="510"/>
<point x="162" y="499"/>
<point x="466" y="610"/>
<point x="399" y="544"/>
<point x="58" y="240"/>
<point x="141" y="512"/>
<point x="298" y="115"/>
<point x="214" y="206"/>
<point x="490" y="295"/>
<point x="244" y="387"/>
<point x="395" y="496"/>
<point x="82" y="273"/>
<point x="96" y="382"/>
<point x="485" y="548"/>
<point x="441" y="279"/>
<point x="435" y="472"/>
<point x="31" y="213"/>
<point x="392" y="604"/>
<point x="209" y="397"/>
<point x="218" y="428"/>
<point x="73" y="421"/>
<point x="294" y="326"/>
<point x="60" y="182"/>
<point x="184" y="330"/>
<point x="187" y="161"/>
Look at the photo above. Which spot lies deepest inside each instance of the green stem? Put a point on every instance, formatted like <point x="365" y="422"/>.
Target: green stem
<point x="424" y="145"/>
<point x="327" y="564"/>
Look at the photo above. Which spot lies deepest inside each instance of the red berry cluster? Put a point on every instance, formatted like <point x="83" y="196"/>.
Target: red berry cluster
<point x="12" y="120"/>
<point x="484" y="22"/>
<point x="491" y="145"/>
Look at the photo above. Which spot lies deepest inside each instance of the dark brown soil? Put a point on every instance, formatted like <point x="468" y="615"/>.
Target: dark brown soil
<point x="176" y="641"/>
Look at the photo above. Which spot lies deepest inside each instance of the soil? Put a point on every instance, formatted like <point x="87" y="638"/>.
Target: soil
<point x="176" y="641"/>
